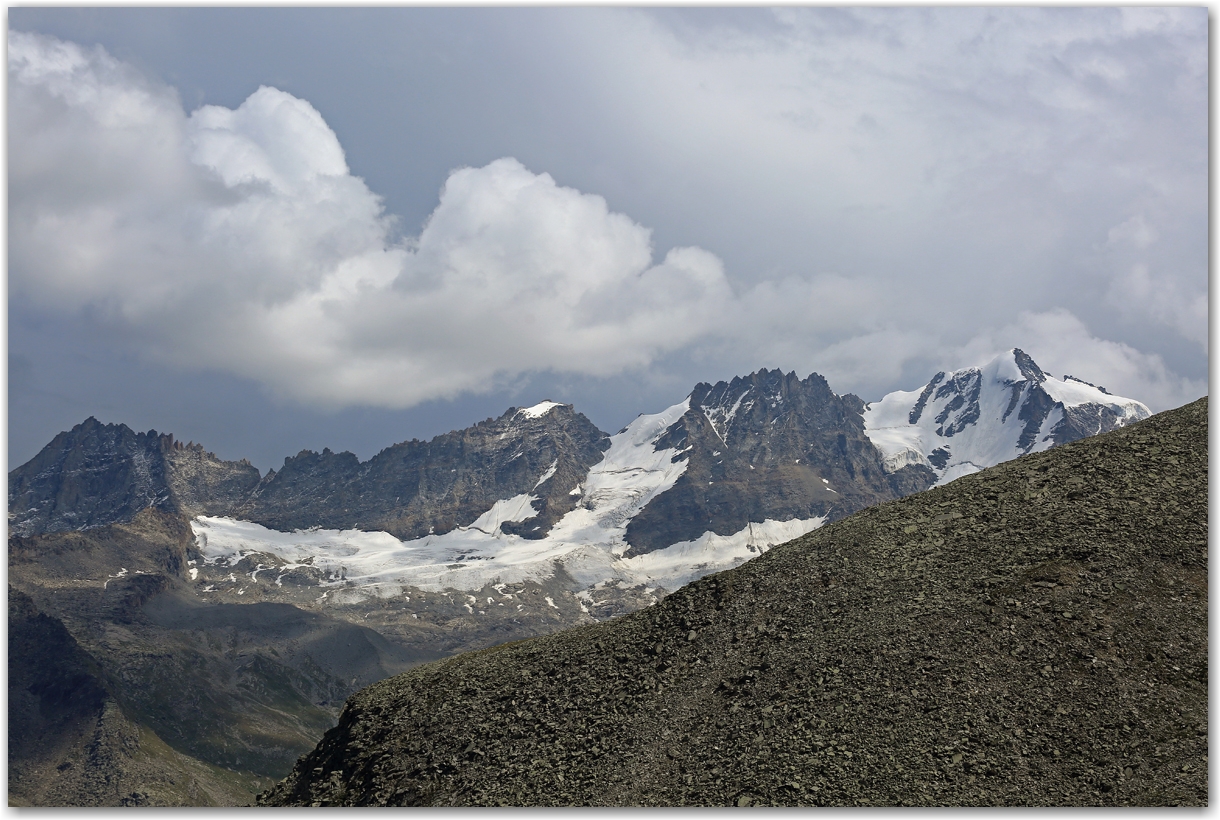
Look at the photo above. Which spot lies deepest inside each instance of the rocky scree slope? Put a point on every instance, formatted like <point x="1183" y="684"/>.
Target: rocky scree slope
<point x="1033" y="634"/>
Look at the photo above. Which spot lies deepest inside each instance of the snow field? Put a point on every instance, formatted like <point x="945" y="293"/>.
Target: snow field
<point x="588" y="542"/>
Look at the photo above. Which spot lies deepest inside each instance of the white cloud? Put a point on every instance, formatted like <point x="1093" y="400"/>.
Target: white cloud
<point x="238" y="240"/>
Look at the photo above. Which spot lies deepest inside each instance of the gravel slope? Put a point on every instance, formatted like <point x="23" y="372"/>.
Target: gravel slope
<point x="1035" y="634"/>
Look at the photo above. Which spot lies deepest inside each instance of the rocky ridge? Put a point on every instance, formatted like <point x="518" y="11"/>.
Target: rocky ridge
<point x="97" y="474"/>
<point x="415" y="488"/>
<point x="768" y="445"/>
<point x="1033" y="634"/>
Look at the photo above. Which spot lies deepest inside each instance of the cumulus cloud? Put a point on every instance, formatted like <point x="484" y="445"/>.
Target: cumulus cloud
<point x="238" y="240"/>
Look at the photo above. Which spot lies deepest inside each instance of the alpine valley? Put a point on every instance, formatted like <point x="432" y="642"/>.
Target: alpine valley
<point x="182" y="629"/>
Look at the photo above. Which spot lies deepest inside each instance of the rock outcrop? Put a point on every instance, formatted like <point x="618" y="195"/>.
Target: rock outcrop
<point x="769" y="445"/>
<point x="97" y="474"/>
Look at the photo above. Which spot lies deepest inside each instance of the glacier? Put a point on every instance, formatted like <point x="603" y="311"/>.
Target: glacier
<point x="588" y="542"/>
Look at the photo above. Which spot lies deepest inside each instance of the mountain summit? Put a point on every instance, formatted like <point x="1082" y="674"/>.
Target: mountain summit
<point x="98" y="474"/>
<point x="965" y="420"/>
<point x="766" y="446"/>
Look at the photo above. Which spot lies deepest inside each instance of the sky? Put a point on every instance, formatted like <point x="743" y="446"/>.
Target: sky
<point x="268" y="230"/>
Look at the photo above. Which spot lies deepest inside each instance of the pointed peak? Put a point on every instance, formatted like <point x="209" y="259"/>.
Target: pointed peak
<point x="1013" y="365"/>
<point x="1027" y="366"/>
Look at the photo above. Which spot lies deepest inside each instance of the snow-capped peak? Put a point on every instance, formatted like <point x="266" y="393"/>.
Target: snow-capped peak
<point x="965" y="420"/>
<point x="539" y="410"/>
<point x="1013" y="365"/>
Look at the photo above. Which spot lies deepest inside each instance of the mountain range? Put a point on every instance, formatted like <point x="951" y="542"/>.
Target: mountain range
<point x="1035" y="634"/>
<point x="736" y="467"/>
<point x="225" y="614"/>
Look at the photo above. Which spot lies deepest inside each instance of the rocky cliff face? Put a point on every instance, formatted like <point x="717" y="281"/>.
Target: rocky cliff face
<point x="1035" y="634"/>
<point x="202" y="484"/>
<point x="415" y="488"/>
<point x="769" y="445"/>
<point x="97" y="474"/>
<point x="92" y="475"/>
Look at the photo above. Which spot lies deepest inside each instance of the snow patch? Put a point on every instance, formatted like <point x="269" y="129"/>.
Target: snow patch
<point x="539" y="410"/>
<point x="721" y="419"/>
<point x="550" y="471"/>
<point x="681" y="563"/>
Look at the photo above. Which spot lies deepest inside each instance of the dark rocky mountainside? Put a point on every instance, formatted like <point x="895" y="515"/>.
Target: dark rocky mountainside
<point x="71" y="743"/>
<point x="769" y="445"/>
<point x="97" y="474"/>
<point x="417" y="487"/>
<point x="1033" y="634"/>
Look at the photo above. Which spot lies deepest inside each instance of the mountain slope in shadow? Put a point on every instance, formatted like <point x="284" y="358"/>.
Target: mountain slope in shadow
<point x="70" y="741"/>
